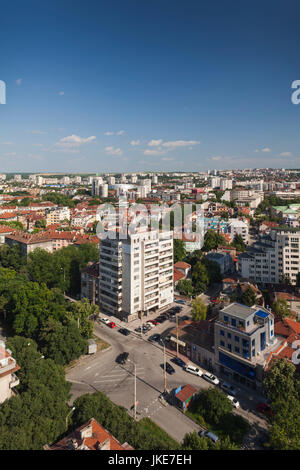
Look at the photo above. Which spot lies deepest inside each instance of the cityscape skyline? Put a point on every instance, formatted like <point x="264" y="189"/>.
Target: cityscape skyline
<point x="164" y="89"/>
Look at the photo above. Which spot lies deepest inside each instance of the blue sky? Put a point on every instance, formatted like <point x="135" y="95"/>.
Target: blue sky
<point x="131" y="85"/>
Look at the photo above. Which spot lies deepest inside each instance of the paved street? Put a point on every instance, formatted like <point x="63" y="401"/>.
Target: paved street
<point x="101" y="372"/>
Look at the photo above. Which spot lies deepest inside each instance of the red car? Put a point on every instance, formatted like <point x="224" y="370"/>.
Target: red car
<point x="112" y="324"/>
<point x="153" y="321"/>
<point x="264" y="409"/>
<point x="214" y="300"/>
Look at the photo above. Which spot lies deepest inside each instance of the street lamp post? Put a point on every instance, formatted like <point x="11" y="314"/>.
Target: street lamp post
<point x="134" y="394"/>
<point x="67" y="417"/>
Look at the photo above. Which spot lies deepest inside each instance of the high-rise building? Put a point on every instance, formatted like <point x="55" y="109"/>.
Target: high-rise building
<point x="136" y="274"/>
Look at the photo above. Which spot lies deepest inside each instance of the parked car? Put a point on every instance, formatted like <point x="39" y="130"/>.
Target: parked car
<point x="183" y="302"/>
<point x="211" y="378"/>
<point x="155" y="337"/>
<point x="124" y="331"/>
<point x="214" y="300"/>
<point x="122" y="358"/>
<point x="169" y="368"/>
<point x="185" y="317"/>
<point x="193" y="370"/>
<point x="234" y="401"/>
<point x="153" y="322"/>
<point x="264" y="409"/>
<point x="112" y="324"/>
<point x="229" y="388"/>
<point x="178" y="361"/>
<point x="105" y="320"/>
<point x="209" y="434"/>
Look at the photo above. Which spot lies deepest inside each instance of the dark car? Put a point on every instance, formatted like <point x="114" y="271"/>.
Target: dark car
<point x="185" y="317"/>
<point x="178" y="361"/>
<point x="264" y="409"/>
<point x="124" y="331"/>
<point x="122" y="358"/>
<point x="155" y="337"/>
<point x="169" y="368"/>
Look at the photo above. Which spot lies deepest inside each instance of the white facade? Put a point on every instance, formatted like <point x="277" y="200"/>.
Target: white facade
<point x="238" y="227"/>
<point x="136" y="274"/>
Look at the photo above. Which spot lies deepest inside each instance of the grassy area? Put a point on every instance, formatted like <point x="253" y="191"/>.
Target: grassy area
<point x="231" y="425"/>
<point x="146" y="424"/>
<point x="101" y="344"/>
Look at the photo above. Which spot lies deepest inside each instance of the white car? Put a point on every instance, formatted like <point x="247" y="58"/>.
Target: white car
<point x="194" y="370"/>
<point x="105" y="320"/>
<point x="234" y="401"/>
<point x="211" y="378"/>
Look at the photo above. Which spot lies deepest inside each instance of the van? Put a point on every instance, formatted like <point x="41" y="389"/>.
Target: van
<point x="193" y="370"/>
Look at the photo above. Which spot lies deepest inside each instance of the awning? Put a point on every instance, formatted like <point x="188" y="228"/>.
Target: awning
<point x="181" y="343"/>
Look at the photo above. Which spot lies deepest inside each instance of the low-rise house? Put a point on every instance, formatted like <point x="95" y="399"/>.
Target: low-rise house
<point x="224" y="260"/>
<point x="89" y="436"/>
<point x="183" y="395"/>
<point x="184" y="268"/>
<point x="195" y="341"/>
<point x="8" y="378"/>
<point x="292" y="300"/>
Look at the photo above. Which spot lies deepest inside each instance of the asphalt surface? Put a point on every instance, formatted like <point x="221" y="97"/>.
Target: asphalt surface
<point x="102" y="372"/>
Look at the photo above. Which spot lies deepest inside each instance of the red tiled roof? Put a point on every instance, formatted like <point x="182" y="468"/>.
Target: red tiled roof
<point x="182" y="265"/>
<point x="99" y="435"/>
<point x="185" y="393"/>
<point x="177" y="275"/>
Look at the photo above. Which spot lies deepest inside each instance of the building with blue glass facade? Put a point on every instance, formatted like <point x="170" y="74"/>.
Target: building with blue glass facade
<point x="244" y="338"/>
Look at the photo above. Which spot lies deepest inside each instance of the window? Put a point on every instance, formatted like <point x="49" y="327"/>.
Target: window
<point x="228" y="335"/>
<point x="222" y="332"/>
<point x="237" y="350"/>
<point x="225" y="318"/>
<point x="253" y="342"/>
<point x="222" y="343"/>
<point x="229" y="347"/>
<point x="237" y="339"/>
<point x="233" y="322"/>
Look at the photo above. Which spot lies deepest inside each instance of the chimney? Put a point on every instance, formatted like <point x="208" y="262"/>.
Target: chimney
<point x="87" y="431"/>
<point x="104" y="445"/>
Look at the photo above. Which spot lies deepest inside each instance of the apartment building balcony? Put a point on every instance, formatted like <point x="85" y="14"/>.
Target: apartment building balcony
<point x="151" y="275"/>
<point x="166" y="260"/>
<point x="149" y="254"/>
<point x="14" y="381"/>
<point x="165" y="268"/>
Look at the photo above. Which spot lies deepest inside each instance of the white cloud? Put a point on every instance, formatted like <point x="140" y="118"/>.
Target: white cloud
<point x="265" y="150"/>
<point x="217" y="158"/>
<point x="135" y="142"/>
<point x="110" y="150"/>
<point x="8" y="142"/>
<point x="167" y="159"/>
<point x="155" y="143"/>
<point x="38" y="132"/>
<point x="19" y="81"/>
<point x="154" y="152"/>
<point x="286" y="154"/>
<point x="121" y="132"/>
<point x="73" y="142"/>
<point x="180" y="143"/>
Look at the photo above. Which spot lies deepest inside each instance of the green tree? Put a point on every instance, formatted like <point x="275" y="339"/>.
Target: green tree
<point x="212" y="404"/>
<point x="185" y="287"/>
<point x="285" y="427"/>
<point x="248" y="297"/>
<point x="179" y="250"/>
<point x="200" y="278"/>
<point x="199" y="309"/>
<point x="279" y="381"/>
<point x="82" y="312"/>
<point x="281" y="308"/>
<point x="238" y="243"/>
<point x="192" y="441"/>
<point x="62" y="342"/>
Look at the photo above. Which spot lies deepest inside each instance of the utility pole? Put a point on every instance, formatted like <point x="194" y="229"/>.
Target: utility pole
<point x="134" y="394"/>
<point x="176" y="335"/>
<point x="165" y="371"/>
<point x="135" y="391"/>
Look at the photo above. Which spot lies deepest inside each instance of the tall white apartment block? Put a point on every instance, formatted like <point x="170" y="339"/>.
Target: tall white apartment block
<point x="273" y="258"/>
<point x="111" y="180"/>
<point x="225" y="184"/>
<point x="136" y="274"/>
<point x="96" y="183"/>
<point x="103" y="190"/>
<point x="238" y="227"/>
